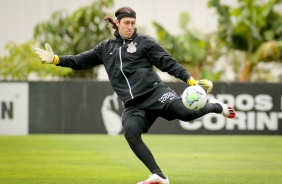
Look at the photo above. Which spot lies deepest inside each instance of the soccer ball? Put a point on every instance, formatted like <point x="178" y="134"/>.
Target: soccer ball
<point x="194" y="97"/>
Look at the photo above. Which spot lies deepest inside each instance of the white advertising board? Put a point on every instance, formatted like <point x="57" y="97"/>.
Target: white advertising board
<point x="14" y="108"/>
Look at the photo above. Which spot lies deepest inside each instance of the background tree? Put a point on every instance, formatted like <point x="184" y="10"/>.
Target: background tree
<point x="67" y="34"/>
<point x="77" y="33"/>
<point x="255" y="28"/>
<point x="189" y="48"/>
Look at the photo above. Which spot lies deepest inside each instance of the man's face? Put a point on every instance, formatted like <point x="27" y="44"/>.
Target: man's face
<point x="126" y="27"/>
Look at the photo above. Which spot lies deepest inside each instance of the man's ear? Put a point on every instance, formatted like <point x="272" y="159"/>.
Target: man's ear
<point x="117" y="22"/>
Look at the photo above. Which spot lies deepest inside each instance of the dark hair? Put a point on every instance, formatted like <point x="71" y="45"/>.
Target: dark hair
<point x="123" y="10"/>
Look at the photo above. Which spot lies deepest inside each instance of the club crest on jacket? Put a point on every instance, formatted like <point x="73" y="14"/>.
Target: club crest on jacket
<point x="131" y="47"/>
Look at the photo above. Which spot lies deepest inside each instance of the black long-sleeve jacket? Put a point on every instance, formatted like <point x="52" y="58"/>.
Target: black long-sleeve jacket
<point x="129" y="64"/>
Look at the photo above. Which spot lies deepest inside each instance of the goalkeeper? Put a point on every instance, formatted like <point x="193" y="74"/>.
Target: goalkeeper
<point x="129" y="60"/>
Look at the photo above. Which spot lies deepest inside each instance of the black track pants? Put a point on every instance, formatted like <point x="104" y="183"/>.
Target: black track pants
<point x="179" y="111"/>
<point x="134" y="126"/>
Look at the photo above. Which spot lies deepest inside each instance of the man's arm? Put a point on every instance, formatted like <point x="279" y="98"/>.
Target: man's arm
<point x="166" y="63"/>
<point x="81" y="61"/>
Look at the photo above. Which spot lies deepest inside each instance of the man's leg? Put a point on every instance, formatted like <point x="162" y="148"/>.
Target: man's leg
<point x="179" y="111"/>
<point x="134" y="126"/>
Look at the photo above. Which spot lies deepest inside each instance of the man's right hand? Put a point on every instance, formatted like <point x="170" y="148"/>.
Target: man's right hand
<point x="48" y="55"/>
<point x="207" y="85"/>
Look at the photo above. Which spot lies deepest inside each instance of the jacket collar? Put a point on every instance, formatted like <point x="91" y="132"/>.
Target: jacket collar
<point x="119" y="37"/>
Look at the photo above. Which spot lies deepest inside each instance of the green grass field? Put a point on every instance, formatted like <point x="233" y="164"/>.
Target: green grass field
<point x="102" y="159"/>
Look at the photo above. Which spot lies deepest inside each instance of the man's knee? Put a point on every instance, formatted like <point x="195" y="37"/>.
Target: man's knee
<point x="130" y="131"/>
<point x="132" y="127"/>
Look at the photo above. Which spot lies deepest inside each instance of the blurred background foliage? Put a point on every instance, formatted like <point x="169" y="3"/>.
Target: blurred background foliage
<point x="190" y="48"/>
<point x="67" y="34"/>
<point x="77" y="33"/>
<point x="255" y="29"/>
<point x="248" y="37"/>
